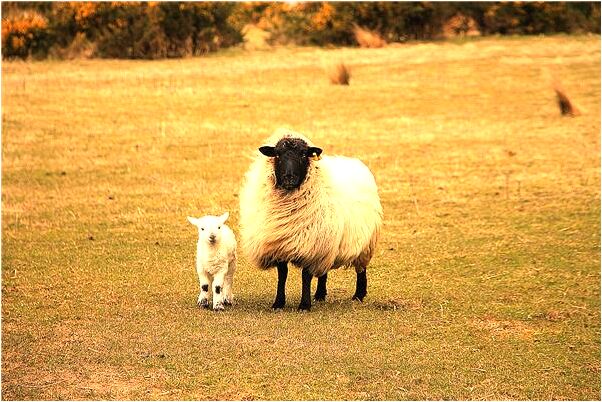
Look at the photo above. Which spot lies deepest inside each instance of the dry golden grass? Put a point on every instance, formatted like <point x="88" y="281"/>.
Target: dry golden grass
<point x="367" y="38"/>
<point x="340" y="74"/>
<point x="485" y="285"/>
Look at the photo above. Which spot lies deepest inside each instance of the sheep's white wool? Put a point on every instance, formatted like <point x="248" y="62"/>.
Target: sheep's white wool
<point x="332" y="220"/>
<point x="215" y="259"/>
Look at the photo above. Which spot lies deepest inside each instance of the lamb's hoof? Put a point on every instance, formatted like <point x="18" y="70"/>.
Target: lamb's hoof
<point x="303" y="307"/>
<point x="359" y="298"/>
<point x="218" y="307"/>
<point x="203" y="303"/>
<point x="227" y="303"/>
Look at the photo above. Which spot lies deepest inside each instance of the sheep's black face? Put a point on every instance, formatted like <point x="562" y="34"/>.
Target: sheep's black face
<point x="291" y="161"/>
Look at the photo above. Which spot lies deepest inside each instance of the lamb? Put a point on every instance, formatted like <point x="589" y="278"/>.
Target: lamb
<point x="316" y="212"/>
<point x="215" y="260"/>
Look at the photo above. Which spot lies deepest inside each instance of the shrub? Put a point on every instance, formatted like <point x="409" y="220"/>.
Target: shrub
<point x="323" y="23"/>
<point x="177" y="29"/>
<point x="24" y="34"/>
<point x="79" y="48"/>
<point x="367" y="38"/>
<point x="335" y="23"/>
<point x="460" y="25"/>
<point x="567" y="107"/>
<point x="169" y="29"/>
<point x="340" y="75"/>
<point x="139" y="30"/>
<point x="528" y="18"/>
<point x="130" y="31"/>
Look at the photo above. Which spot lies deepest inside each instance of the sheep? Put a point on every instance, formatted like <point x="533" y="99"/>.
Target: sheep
<point x="316" y="212"/>
<point x="215" y="260"/>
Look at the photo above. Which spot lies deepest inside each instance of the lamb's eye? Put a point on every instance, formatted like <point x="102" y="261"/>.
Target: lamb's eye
<point x="202" y="228"/>
<point x="219" y="227"/>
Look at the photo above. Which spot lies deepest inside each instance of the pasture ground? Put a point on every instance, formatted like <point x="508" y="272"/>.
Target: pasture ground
<point x="485" y="285"/>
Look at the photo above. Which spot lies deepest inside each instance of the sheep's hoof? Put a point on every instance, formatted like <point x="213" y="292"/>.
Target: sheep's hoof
<point x="320" y="296"/>
<point x="304" y="307"/>
<point x="359" y="298"/>
<point x="278" y="304"/>
<point x="218" y="307"/>
<point x="227" y="303"/>
<point x="203" y="303"/>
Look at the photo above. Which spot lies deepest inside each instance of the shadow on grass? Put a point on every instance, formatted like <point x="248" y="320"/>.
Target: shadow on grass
<point x="253" y="304"/>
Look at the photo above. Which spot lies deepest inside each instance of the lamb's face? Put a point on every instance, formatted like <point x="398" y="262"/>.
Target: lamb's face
<point x="210" y="228"/>
<point x="291" y="161"/>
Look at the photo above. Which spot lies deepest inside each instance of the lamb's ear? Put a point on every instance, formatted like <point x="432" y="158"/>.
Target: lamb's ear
<point x="314" y="151"/>
<point x="223" y="218"/>
<point x="194" y="221"/>
<point x="268" y="151"/>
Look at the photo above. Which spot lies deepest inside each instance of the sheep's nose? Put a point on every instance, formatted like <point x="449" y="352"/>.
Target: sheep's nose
<point x="212" y="238"/>
<point x="288" y="178"/>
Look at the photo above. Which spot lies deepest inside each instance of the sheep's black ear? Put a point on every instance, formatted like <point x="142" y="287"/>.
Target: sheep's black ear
<point x="268" y="151"/>
<point x="314" y="151"/>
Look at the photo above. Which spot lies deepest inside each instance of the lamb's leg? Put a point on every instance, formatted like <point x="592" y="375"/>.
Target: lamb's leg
<point x="280" y="293"/>
<point x="320" y="294"/>
<point x="218" y="291"/>
<point x="204" y="282"/>
<point x="228" y="297"/>
<point x="360" y="285"/>
<point x="305" y="304"/>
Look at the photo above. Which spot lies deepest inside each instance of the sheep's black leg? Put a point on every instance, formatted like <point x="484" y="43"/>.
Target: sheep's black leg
<point x="320" y="294"/>
<point x="280" y="294"/>
<point x="360" y="286"/>
<point x="305" y="304"/>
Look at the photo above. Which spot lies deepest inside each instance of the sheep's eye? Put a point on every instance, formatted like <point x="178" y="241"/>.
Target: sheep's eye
<point x="219" y="227"/>
<point x="202" y="228"/>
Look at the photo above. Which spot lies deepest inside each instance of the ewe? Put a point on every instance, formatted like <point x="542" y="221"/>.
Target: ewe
<point x="319" y="213"/>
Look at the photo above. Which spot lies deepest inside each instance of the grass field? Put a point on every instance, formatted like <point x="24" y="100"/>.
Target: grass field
<point x="485" y="284"/>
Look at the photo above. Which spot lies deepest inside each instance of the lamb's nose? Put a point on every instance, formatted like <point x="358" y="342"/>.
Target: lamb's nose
<point x="212" y="238"/>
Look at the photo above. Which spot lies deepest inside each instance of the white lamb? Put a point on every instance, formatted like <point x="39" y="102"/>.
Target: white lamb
<point x="215" y="259"/>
